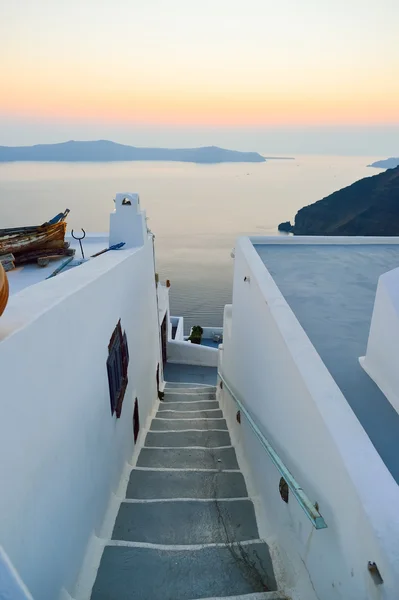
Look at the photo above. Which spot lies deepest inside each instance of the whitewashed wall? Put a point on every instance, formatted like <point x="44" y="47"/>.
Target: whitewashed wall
<point x="64" y="451"/>
<point x="381" y="360"/>
<point x="177" y="322"/>
<point x="274" y="368"/>
<point x="163" y="304"/>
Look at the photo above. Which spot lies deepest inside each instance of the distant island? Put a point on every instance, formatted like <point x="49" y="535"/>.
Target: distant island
<point x="388" y="163"/>
<point x="367" y="207"/>
<point x="106" y="151"/>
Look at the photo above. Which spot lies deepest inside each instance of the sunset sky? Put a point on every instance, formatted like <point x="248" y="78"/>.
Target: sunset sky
<point x="86" y="66"/>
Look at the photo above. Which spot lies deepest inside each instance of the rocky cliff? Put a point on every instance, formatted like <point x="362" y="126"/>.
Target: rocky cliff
<point x="368" y="207"/>
<point x="387" y="163"/>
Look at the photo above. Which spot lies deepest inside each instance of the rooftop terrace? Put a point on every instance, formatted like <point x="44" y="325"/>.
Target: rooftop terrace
<point x="331" y="289"/>
<point x="29" y="274"/>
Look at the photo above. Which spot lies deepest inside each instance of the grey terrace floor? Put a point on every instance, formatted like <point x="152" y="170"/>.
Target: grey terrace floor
<point x="187" y="528"/>
<point x="331" y="289"/>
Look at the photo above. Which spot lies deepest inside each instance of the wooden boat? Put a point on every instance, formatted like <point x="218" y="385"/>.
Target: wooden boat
<point x="4" y="291"/>
<point x="27" y="243"/>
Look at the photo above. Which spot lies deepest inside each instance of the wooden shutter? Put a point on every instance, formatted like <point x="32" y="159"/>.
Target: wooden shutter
<point x="117" y="366"/>
<point x="136" y="420"/>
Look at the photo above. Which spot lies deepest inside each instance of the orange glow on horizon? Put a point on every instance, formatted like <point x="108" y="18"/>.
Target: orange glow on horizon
<point x="220" y="64"/>
<point x="235" y="97"/>
<point x="223" y="112"/>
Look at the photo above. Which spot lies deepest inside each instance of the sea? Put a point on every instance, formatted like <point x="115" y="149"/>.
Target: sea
<point x="195" y="211"/>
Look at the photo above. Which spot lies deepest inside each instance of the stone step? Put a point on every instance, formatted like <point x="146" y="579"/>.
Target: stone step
<point x="186" y="424"/>
<point x="185" y="406"/>
<point x="189" y="391"/>
<point x="255" y="596"/>
<point x="171" y="522"/>
<point x="192" y="397"/>
<point x="186" y="414"/>
<point x="179" y="385"/>
<point x="132" y="573"/>
<point x="185" y="484"/>
<point x="168" y="458"/>
<point x="206" y="439"/>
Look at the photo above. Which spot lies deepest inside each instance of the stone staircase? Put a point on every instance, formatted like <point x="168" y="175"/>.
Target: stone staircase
<point x="186" y="529"/>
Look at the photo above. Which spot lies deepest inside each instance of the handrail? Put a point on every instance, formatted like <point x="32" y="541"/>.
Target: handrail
<point x="310" y="510"/>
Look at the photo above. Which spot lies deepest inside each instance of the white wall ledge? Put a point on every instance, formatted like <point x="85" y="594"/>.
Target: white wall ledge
<point x="321" y="239"/>
<point x="31" y="302"/>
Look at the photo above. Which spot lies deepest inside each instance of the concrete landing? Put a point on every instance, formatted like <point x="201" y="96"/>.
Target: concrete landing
<point x="187" y="529"/>
<point x="151" y="574"/>
<point x="185" y="484"/>
<point x="190" y="374"/>
<point x="165" y="522"/>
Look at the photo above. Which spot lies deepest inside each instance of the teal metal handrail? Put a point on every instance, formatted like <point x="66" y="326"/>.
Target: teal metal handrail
<point x="310" y="510"/>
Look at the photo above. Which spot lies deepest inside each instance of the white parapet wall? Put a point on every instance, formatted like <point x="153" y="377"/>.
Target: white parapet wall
<point x="184" y="352"/>
<point x="63" y="452"/>
<point x="381" y="360"/>
<point x="273" y="368"/>
<point x="177" y="322"/>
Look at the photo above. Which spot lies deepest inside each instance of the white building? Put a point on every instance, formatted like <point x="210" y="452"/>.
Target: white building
<point x="119" y="476"/>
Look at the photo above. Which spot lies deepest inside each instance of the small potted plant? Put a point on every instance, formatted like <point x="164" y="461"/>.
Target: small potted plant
<point x="196" y="334"/>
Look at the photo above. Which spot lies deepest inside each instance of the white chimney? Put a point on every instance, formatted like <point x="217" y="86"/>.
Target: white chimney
<point x="127" y="221"/>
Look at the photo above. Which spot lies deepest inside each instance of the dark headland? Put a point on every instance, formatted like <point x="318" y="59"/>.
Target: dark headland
<point x="367" y="207"/>
<point x="387" y="163"/>
<point x="106" y="151"/>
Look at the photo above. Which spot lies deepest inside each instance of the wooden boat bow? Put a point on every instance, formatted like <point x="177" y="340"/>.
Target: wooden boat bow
<point x="22" y="242"/>
<point x="4" y="290"/>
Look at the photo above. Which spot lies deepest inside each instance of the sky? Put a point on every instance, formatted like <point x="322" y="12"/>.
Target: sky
<point x="319" y="74"/>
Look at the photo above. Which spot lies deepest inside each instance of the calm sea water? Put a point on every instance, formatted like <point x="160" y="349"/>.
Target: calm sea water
<point x="195" y="211"/>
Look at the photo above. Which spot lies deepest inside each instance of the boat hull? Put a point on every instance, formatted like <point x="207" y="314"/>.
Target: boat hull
<point x="41" y="237"/>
